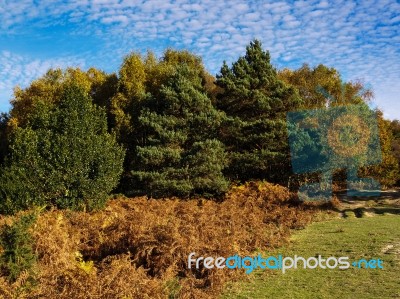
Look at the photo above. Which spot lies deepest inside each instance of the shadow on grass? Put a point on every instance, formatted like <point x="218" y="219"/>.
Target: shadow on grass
<point x="384" y="195"/>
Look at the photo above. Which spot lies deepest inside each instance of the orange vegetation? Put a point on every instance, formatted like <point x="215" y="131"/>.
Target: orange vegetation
<point x="138" y="248"/>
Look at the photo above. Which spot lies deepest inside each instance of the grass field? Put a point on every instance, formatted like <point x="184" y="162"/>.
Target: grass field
<point x="357" y="238"/>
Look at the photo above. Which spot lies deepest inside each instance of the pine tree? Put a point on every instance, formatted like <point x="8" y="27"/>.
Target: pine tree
<point x="179" y="154"/>
<point x="255" y="102"/>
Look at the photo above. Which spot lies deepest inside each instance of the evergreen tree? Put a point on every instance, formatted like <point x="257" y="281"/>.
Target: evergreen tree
<point x="255" y="102"/>
<point x="178" y="153"/>
<point x="63" y="157"/>
<point x="139" y="77"/>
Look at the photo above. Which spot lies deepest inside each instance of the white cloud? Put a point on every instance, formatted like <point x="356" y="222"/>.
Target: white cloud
<point x="18" y="70"/>
<point x="360" y="38"/>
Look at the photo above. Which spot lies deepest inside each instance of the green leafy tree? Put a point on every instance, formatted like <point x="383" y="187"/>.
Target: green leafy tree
<point x="388" y="171"/>
<point x="255" y="102"/>
<point x="178" y="153"/>
<point x="394" y="128"/>
<point x="63" y="156"/>
<point x="321" y="87"/>
<point x="48" y="90"/>
<point x="320" y="84"/>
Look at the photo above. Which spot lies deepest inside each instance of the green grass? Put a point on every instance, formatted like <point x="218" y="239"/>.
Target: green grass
<point x="353" y="237"/>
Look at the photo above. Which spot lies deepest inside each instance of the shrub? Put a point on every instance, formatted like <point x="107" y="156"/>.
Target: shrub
<point x="16" y="241"/>
<point x="63" y="157"/>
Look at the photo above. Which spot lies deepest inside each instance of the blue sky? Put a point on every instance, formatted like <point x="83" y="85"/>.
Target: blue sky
<point x="359" y="38"/>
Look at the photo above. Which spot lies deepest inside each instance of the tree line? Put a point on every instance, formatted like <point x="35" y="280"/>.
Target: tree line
<point x="165" y="127"/>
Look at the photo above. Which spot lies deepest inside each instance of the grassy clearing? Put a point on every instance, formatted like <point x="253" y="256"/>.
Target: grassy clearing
<point x="368" y="237"/>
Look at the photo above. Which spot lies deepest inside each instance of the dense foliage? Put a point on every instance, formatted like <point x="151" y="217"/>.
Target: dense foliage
<point x="18" y="254"/>
<point x="184" y="132"/>
<point x="255" y="102"/>
<point x="139" y="248"/>
<point x="179" y="153"/>
<point x="63" y="156"/>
